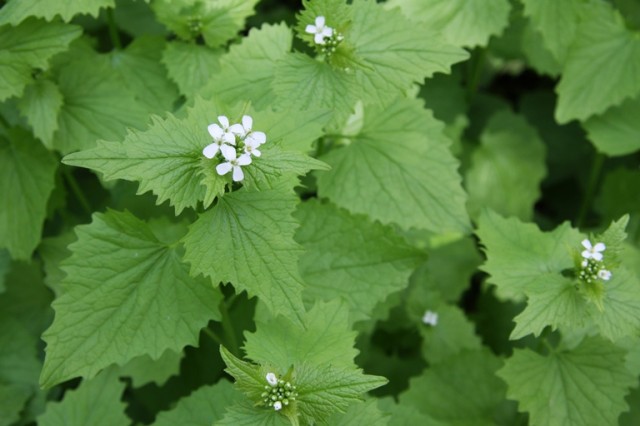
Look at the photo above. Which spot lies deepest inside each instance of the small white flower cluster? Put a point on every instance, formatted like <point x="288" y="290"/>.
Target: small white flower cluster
<point x="592" y="263"/>
<point x="236" y="143"/>
<point x="430" y="318"/>
<point x="325" y="37"/>
<point x="278" y="393"/>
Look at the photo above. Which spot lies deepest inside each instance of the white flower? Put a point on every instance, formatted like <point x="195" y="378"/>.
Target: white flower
<point x="430" y="318"/>
<point x="584" y="263"/>
<point x="604" y="274"/>
<point x="251" y="147"/>
<point x="277" y="405"/>
<point x="592" y="252"/>
<point x="272" y="379"/>
<point x="255" y="139"/>
<point x="234" y="164"/>
<point x="220" y="137"/>
<point x="319" y="30"/>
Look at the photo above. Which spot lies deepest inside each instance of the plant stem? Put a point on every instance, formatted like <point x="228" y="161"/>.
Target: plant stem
<point x="213" y="335"/>
<point x="75" y="188"/>
<point x="474" y="71"/>
<point x="594" y="177"/>
<point x="229" y="332"/>
<point x="113" y="30"/>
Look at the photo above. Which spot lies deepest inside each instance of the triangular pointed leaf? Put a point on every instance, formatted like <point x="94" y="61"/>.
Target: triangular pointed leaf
<point x="41" y="104"/>
<point x="16" y="11"/>
<point x="126" y="294"/>
<point x="190" y="65"/>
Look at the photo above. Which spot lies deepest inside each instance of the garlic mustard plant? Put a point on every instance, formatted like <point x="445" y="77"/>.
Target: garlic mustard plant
<point x="592" y="265"/>
<point x="236" y="143"/>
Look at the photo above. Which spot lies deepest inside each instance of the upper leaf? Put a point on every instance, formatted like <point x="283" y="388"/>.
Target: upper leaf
<point x="510" y="160"/>
<point x="41" y="104"/>
<point x="462" y="390"/>
<point x="16" y="11"/>
<point x="461" y="22"/>
<point x="97" y="105"/>
<point x="401" y="155"/>
<point x="27" y="46"/>
<point x="247" y="71"/>
<point x="557" y="22"/>
<point x="26" y="179"/>
<point x="323" y="338"/>
<point x="585" y="385"/>
<point x="254" y="247"/>
<point x="347" y="256"/>
<point x="601" y="67"/>
<point x="190" y="65"/>
<point x="616" y="131"/>
<point x="519" y="254"/>
<point x="217" y="21"/>
<point x="126" y="294"/>
<point x="96" y="402"/>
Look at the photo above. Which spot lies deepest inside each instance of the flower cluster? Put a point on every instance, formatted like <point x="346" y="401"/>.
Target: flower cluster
<point x="278" y="393"/>
<point x="236" y="143"/>
<point x="430" y="318"/>
<point x="325" y="37"/>
<point x="592" y="263"/>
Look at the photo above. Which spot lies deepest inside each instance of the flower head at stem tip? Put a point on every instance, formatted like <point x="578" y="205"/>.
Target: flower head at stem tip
<point x="430" y="318"/>
<point x="319" y="30"/>
<point x="272" y="379"/>
<point x="593" y="251"/>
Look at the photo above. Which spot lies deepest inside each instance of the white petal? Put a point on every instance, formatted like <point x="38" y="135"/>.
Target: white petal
<point x="224" y="121"/>
<point x="257" y="138"/>
<point x="327" y="31"/>
<point x="586" y="244"/>
<point x="256" y="152"/>
<point x="272" y="379"/>
<point x="228" y="152"/>
<point x="277" y="405"/>
<point x="247" y="122"/>
<point x="210" y="150"/>
<point x="319" y="39"/>
<point x="223" y="168"/>
<point x="320" y="21"/>
<point x="238" y="174"/>
<point x="215" y="131"/>
<point x="237" y="129"/>
<point x="229" y="138"/>
<point x="586" y="254"/>
<point x="597" y="256"/>
<point x="311" y="29"/>
<point x="244" y="160"/>
<point x="599" y="247"/>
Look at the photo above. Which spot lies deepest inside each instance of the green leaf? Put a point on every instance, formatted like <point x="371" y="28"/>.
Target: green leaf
<point x="247" y="71"/>
<point x="606" y="52"/>
<point x="347" y="256"/>
<point x="462" y="390"/>
<point x="17" y="11"/>
<point x="26" y="179"/>
<point x="616" y="131"/>
<point x="144" y="369"/>
<point x="217" y="21"/>
<point x="190" y="65"/>
<point x="41" y="104"/>
<point x="585" y="385"/>
<point x="254" y="248"/>
<point x="323" y="338"/>
<point x="5" y="265"/>
<point x="97" y="105"/>
<point x="54" y="250"/>
<point x="138" y="67"/>
<point x="361" y="413"/>
<point x="394" y="52"/>
<point x="519" y="255"/>
<point x="617" y="194"/>
<point x="461" y="22"/>
<point x="557" y="22"/>
<point x="303" y="83"/>
<point x="244" y="413"/>
<point x="204" y="406"/>
<point x="402" y="155"/>
<point x="96" y="402"/>
<point x="27" y="46"/>
<point x="126" y="294"/>
<point x="12" y="400"/>
<point x="510" y="160"/>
